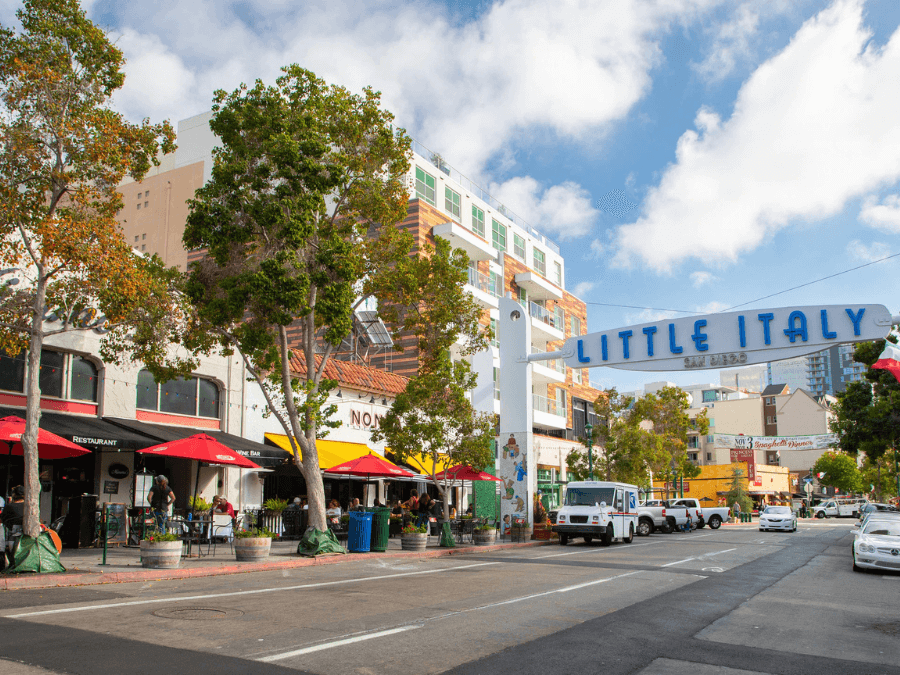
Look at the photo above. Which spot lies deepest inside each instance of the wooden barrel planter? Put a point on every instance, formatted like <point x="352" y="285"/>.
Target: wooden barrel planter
<point x="164" y="555"/>
<point x="252" y="549"/>
<point x="484" y="537"/>
<point x="416" y="541"/>
<point x="541" y="532"/>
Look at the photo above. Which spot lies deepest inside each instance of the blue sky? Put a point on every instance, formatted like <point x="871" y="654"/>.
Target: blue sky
<point x="685" y="154"/>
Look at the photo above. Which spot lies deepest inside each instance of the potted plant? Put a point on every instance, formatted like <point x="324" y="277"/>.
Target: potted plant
<point x="199" y="506"/>
<point x="485" y="534"/>
<point x="253" y="545"/>
<point x="275" y="505"/>
<point x="413" y="538"/>
<point x="160" y="550"/>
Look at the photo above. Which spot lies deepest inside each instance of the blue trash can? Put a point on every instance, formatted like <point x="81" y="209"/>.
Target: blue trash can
<point x="359" y="539"/>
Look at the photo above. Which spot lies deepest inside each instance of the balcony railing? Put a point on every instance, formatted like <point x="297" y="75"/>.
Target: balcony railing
<point x="556" y="364"/>
<point x="478" y="191"/>
<point x="548" y="405"/>
<point x="542" y="314"/>
<point x="483" y="282"/>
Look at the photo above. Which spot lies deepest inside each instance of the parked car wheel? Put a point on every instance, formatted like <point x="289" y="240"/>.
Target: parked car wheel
<point x="630" y="537"/>
<point x="645" y="527"/>
<point x="668" y="528"/>
<point x="715" y="522"/>
<point x="607" y="537"/>
<point x="588" y="539"/>
<point x="701" y="524"/>
<point x="563" y="539"/>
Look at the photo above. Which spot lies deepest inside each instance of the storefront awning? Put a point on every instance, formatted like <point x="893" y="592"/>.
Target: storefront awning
<point x="264" y="455"/>
<point x="422" y="464"/>
<point x="331" y="453"/>
<point x="90" y="432"/>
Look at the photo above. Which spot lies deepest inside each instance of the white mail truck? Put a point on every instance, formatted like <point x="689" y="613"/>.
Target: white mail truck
<point x="598" y="510"/>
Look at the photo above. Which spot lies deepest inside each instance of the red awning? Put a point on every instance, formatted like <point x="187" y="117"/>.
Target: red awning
<point x="461" y="472"/>
<point x="370" y="465"/>
<point x="203" y="448"/>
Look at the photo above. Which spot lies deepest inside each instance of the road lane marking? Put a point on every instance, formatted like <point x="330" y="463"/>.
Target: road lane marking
<point x="677" y="562"/>
<point x="112" y="605"/>
<point x="420" y="622"/>
<point x="336" y="643"/>
<point x="596" y="550"/>
<point x="708" y="555"/>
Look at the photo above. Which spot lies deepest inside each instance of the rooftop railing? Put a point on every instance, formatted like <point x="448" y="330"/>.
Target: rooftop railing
<point x="481" y="193"/>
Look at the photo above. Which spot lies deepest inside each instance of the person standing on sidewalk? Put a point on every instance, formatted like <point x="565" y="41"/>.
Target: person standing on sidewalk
<point x="160" y="497"/>
<point x="13" y="513"/>
<point x="736" y="510"/>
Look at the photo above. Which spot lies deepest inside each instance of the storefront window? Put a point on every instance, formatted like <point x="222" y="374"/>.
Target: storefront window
<point x="84" y="379"/>
<point x="12" y="372"/>
<point x="51" y="378"/>
<point x="193" y="396"/>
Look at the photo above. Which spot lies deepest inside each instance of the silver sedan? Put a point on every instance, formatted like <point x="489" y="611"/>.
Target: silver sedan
<point x="877" y="545"/>
<point x="778" y="518"/>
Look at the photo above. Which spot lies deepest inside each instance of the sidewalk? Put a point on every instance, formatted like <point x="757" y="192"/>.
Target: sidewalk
<point x="84" y="566"/>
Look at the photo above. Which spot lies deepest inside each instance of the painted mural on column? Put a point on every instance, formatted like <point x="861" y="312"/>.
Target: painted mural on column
<point x="512" y="469"/>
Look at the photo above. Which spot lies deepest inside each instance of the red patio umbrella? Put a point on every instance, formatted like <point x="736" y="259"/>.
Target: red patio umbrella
<point x="203" y="448"/>
<point x="462" y="472"/>
<point x="50" y="446"/>
<point x="370" y="465"/>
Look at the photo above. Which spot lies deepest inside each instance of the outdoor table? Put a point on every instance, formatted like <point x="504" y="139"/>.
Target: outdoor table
<point x="191" y="531"/>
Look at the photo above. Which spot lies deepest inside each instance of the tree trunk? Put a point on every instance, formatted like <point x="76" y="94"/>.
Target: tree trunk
<point x="878" y="484"/>
<point x="31" y="525"/>
<point x="315" y="493"/>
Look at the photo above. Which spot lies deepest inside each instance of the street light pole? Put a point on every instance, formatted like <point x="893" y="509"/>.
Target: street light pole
<point x="589" y="431"/>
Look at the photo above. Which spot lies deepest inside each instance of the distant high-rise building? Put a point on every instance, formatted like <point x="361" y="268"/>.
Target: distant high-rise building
<point x="751" y="378"/>
<point x="792" y="372"/>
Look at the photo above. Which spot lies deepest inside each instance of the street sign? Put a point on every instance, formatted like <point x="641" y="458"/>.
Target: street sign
<point x="808" y="488"/>
<point x="727" y="339"/>
<point x="808" y="481"/>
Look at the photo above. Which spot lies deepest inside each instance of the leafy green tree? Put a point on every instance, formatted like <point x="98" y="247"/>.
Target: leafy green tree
<point x="298" y="222"/>
<point x="619" y="443"/>
<point x="840" y="471"/>
<point x="434" y="417"/>
<point x="63" y="152"/>
<point x="667" y="453"/>
<point x="880" y="475"/>
<point x="737" y="491"/>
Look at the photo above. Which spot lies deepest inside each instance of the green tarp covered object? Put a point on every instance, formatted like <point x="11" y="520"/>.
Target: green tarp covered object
<point x="447" y="540"/>
<point x="316" y="542"/>
<point x="36" y="555"/>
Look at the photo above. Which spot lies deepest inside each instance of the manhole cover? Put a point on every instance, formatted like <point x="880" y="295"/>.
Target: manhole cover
<point x="892" y="628"/>
<point x="197" y="613"/>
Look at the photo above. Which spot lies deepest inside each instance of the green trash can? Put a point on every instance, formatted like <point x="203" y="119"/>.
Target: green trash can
<point x="381" y="523"/>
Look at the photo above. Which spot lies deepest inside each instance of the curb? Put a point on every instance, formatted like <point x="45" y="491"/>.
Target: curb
<point x="96" y="578"/>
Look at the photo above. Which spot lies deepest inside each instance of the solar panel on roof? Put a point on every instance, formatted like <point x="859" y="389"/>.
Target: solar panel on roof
<point x="375" y="329"/>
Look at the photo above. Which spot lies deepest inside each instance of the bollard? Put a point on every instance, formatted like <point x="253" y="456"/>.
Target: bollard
<point x="104" y="531"/>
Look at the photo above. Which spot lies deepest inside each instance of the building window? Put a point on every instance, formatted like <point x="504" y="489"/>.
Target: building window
<point x="498" y="235"/>
<point x="519" y="246"/>
<point x="494" y="286"/>
<point x="62" y="375"/>
<point x="770" y="420"/>
<point x="145" y="204"/>
<point x="693" y="442"/>
<point x="495" y="341"/>
<point x="708" y="456"/>
<point x="451" y="202"/>
<point x="540" y="262"/>
<point x="576" y="375"/>
<point x="143" y="247"/>
<point x="140" y="194"/>
<point x="692" y="456"/>
<point x="194" y="396"/>
<point x="560" y="402"/>
<point x="477" y="221"/>
<point x="139" y="206"/>
<point x="522" y="296"/>
<point x="144" y="236"/>
<point x="425" y="186"/>
<point x="559" y="317"/>
<point x="557" y="274"/>
<point x="136" y="238"/>
<point x="770" y="400"/>
<point x="575" y="324"/>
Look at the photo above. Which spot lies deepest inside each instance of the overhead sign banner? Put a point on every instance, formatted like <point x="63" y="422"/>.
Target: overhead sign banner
<point x="728" y="339"/>
<point x="817" y="442"/>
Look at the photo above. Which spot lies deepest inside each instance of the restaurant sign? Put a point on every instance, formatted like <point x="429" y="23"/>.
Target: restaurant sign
<point x="816" y="442"/>
<point x="728" y="339"/>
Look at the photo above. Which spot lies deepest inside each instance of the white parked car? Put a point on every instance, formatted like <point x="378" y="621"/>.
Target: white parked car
<point x="877" y="545"/>
<point x="778" y="518"/>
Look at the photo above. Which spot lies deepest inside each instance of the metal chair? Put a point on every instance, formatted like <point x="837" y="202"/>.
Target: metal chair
<point x="222" y="526"/>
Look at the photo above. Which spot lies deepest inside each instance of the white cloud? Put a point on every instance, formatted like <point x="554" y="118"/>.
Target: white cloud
<point x="812" y="128"/>
<point x="730" y="44"/>
<point x="466" y="89"/>
<point x="582" y="288"/>
<point x="562" y="211"/>
<point x="884" y="216"/>
<point x="868" y="252"/>
<point x="596" y="250"/>
<point x="699" y="278"/>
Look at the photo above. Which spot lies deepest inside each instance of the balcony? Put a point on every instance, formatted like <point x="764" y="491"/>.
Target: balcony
<point x="460" y="237"/>
<point x="543" y="325"/>
<point x="538" y="287"/>
<point x="548" y="372"/>
<point x="546" y="413"/>
<point x="483" y="289"/>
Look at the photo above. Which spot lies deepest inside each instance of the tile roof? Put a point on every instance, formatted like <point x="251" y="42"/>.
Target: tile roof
<point x="354" y="375"/>
<point x="774" y="390"/>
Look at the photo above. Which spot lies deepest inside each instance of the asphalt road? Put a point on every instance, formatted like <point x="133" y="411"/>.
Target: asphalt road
<point x="733" y="600"/>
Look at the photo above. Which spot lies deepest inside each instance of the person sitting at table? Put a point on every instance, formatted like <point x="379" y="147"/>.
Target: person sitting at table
<point x="453" y="512"/>
<point x="469" y="510"/>
<point x="355" y="505"/>
<point x="294" y="505"/>
<point x="222" y="505"/>
<point x="397" y="508"/>
<point x="333" y="512"/>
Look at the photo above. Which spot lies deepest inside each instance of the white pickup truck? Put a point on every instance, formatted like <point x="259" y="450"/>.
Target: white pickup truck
<point x="838" y="508"/>
<point x="713" y="516"/>
<point x="656" y="514"/>
<point x="598" y="510"/>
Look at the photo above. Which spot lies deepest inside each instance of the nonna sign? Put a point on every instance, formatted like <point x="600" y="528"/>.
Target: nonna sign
<point x="728" y="339"/>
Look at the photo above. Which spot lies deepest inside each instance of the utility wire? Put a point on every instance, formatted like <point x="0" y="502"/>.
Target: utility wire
<point x="765" y="297"/>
